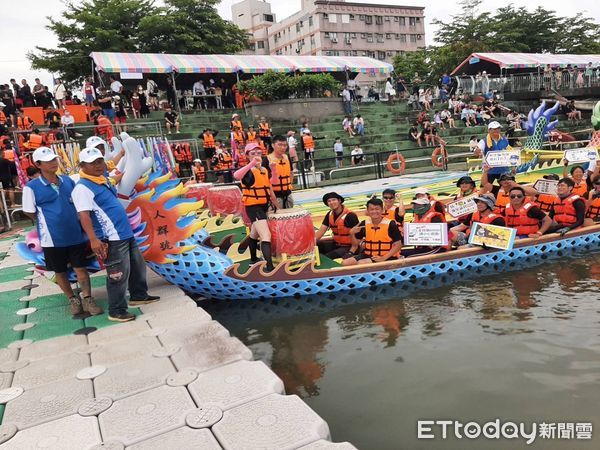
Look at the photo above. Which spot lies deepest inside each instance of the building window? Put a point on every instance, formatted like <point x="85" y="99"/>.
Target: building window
<point x="268" y="17"/>
<point x="413" y="38"/>
<point x="380" y="55"/>
<point x="354" y="52"/>
<point x="327" y="34"/>
<point x="396" y="19"/>
<point x="402" y="21"/>
<point x="379" y="38"/>
<point x="332" y="18"/>
<point x="369" y="20"/>
<point x="275" y="38"/>
<point x="310" y="21"/>
<point x="363" y="35"/>
<point x="252" y="46"/>
<point x="419" y="37"/>
<point x="378" y="20"/>
<point x="388" y="36"/>
<point x="402" y="38"/>
<point x="298" y="26"/>
<point x="418" y="20"/>
<point x="398" y="36"/>
<point x="412" y="21"/>
<point x="390" y="53"/>
<point x="353" y="35"/>
<point x="369" y="38"/>
<point x="261" y="44"/>
<point x="312" y="39"/>
<point x="351" y="16"/>
<point x="325" y="16"/>
<point x="361" y="17"/>
<point x="387" y="18"/>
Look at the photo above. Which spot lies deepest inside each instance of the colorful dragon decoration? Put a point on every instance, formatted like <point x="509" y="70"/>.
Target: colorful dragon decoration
<point x="172" y="233"/>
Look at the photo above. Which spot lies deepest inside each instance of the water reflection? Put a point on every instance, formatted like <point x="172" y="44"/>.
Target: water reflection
<point x="450" y="346"/>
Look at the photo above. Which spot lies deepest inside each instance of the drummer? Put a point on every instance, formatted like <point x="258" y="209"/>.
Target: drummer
<point x="340" y="220"/>
<point x="391" y="210"/>
<point x="282" y="175"/>
<point x="199" y="173"/>
<point x="256" y="195"/>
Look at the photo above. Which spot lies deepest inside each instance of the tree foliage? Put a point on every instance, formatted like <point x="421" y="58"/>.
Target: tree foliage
<point x="179" y="26"/>
<point x="507" y="29"/>
<point x="278" y="86"/>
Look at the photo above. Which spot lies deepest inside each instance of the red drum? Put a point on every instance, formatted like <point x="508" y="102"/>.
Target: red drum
<point x="292" y="232"/>
<point x="198" y="191"/>
<point x="224" y="200"/>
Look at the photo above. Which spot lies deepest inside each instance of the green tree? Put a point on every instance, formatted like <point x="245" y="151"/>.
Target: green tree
<point x="409" y="63"/>
<point x="180" y="26"/>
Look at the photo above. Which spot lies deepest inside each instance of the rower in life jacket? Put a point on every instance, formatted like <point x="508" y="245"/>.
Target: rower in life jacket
<point x="265" y="133"/>
<point x="251" y="135"/>
<point x="467" y="188"/>
<point x="340" y="220"/>
<point x="545" y="201"/>
<point x="223" y="163"/>
<point x="198" y="171"/>
<point x="24" y="123"/>
<point x="506" y="181"/>
<point x="390" y="209"/>
<point x="494" y="141"/>
<point x="239" y="137"/>
<point x="281" y="167"/>
<point x="568" y="209"/>
<point x="523" y="215"/>
<point x="424" y="212"/>
<point x="581" y="177"/>
<point x="381" y="238"/>
<point x="593" y="204"/>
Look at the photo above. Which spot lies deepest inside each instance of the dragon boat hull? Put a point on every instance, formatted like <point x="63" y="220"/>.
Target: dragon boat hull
<point x="207" y="273"/>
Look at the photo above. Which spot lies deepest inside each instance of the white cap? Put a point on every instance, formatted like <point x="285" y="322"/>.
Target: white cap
<point x="420" y="201"/>
<point x="197" y="160"/>
<point x="421" y="190"/>
<point x="306" y="131"/>
<point x="2" y="105"/>
<point x="44" y="154"/>
<point x="95" y="141"/>
<point x="494" y="124"/>
<point x="89" y="155"/>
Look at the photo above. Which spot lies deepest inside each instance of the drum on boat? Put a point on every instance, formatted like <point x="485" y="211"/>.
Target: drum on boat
<point x="224" y="200"/>
<point x="199" y="191"/>
<point x="292" y="234"/>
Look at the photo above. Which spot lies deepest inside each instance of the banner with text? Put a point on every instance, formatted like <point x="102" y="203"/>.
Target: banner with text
<point x="462" y="207"/>
<point x="503" y="158"/>
<point x="580" y="155"/>
<point x="428" y="234"/>
<point x="492" y="236"/>
<point x="546" y="186"/>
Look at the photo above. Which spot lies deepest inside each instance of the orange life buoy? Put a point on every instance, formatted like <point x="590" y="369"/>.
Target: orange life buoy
<point x="437" y="157"/>
<point x="401" y="161"/>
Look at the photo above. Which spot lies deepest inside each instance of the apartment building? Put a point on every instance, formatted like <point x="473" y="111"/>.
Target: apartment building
<point x="340" y="28"/>
<point x="255" y="17"/>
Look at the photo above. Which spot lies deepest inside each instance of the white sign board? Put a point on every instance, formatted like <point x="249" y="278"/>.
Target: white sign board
<point x="461" y="207"/>
<point x="503" y="158"/>
<point x="546" y="186"/>
<point x="579" y="155"/>
<point x="433" y="234"/>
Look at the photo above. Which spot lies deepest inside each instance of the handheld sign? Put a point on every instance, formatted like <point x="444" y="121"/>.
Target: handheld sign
<point x="492" y="236"/>
<point x="503" y="158"/>
<point x="461" y="207"/>
<point x="579" y="155"/>
<point x="546" y="186"/>
<point x="429" y="234"/>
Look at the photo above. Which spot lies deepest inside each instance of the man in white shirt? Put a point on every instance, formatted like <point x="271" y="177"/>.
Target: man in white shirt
<point x="198" y="89"/>
<point x="115" y="85"/>
<point x="347" y="101"/>
<point x="358" y="156"/>
<point x="351" y="86"/>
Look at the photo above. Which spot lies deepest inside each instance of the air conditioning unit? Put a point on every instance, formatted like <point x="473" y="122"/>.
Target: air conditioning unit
<point x="334" y="40"/>
<point x="348" y="42"/>
<point x="364" y="53"/>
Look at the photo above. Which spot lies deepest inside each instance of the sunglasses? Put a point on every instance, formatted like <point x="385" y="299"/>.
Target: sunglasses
<point x="516" y="196"/>
<point x="388" y="198"/>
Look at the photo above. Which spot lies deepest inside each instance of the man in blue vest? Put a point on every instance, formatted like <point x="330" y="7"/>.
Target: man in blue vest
<point x="494" y="141"/>
<point x="105" y="222"/>
<point x="47" y="200"/>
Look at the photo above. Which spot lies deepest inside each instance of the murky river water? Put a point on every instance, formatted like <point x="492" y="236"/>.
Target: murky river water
<point x="520" y="346"/>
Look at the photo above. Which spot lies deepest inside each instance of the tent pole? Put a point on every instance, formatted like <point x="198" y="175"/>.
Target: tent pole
<point x="176" y="99"/>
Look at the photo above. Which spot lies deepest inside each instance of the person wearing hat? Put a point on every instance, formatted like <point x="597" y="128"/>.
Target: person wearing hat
<point x="522" y="214"/>
<point x="375" y="239"/>
<point x="107" y="226"/>
<point x="282" y="176"/>
<point x="568" y="209"/>
<point x="466" y="187"/>
<point x="257" y="193"/>
<point x="501" y="192"/>
<point x="47" y="201"/>
<point x="423" y="192"/>
<point x="484" y="214"/>
<point x="494" y="141"/>
<point x="292" y="143"/>
<point x="340" y="220"/>
<point x="235" y="122"/>
<point x="308" y="144"/>
<point x="265" y="133"/>
<point x="544" y="201"/>
<point x="111" y="164"/>
<point x="222" y="163"/>
<point x="391" y="210"/>
<point x="424" y="212"/>
<point x="198" y="172"/>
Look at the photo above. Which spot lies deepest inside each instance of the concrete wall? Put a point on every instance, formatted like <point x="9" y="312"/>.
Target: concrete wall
<point x="311" y="109"/>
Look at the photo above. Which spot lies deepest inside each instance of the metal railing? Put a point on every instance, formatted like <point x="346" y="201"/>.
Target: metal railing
<point x="528" y="82"/>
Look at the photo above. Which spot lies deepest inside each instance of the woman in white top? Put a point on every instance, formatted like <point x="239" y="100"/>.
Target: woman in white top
<point x="59" y="93"/>
<point x="390" y="92"/>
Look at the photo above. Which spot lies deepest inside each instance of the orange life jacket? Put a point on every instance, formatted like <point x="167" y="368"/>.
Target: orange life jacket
<point x="284" y="173"/>
<point x="545" y="201"/>
<point x="182" y="153"/>
<point x="35" y="141"/>
<point x="2" y="118"/>
<point x="199" y="174"/>
<point x="236" y="123"/>
<point x="263" y="148"/>
<point x="264" y="130"/>
<point x="4" y="141"/>
<point x="9" y="155"/>
<point x="593" y="211"/>
<point x="377" y="239"/>
<point x="391" y="213"/>
<point x="308" y="142"/>
<point x="501" y="202"/>
<point x="209" y="140"/>
<point x="428" y="216"/>
<point x="341" y="233"/>
<point x="26" y="161"/>
<point x="251" y="136"/>
<point x="258" y="193"/>
<point x="24" y="123"/>
<point x="239" y="138"/>
<point x="564" y="211"/>
<point x="580" y="188"/>
<point x="225" y="160"/>
<point x="242" y="158"/>
<point x="478" y="218"/>
<point x="519" y="219"/>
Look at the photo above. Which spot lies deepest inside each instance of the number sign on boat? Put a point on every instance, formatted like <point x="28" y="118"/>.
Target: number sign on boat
<point x="503" y="158"/>
<point x="492" y="236"/>
<point x="425" y="234"/>
<point x="461" y="207"/>
<point x="579" y="155"/>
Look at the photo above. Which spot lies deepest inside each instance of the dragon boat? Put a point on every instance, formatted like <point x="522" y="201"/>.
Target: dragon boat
<point x="185" y="245"/>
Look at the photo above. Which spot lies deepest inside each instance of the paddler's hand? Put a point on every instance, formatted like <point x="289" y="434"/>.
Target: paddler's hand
<point x="563" y="231"/>
<point x="99" y="248"/>
<point x="565" y="162"/>
<point x="535" y="235"/>
<point x="355" y="230"/>
<point x="273" y="166"/>
<point x="257" y="160"/>
<point x="378" y="258"/>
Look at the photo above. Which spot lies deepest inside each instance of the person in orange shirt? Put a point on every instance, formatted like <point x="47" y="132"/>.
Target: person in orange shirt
<point x="2" y="118"/>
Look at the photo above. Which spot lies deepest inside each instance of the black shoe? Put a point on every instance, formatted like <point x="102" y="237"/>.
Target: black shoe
<point x="125" y="317"/>
<point x="148" y="299"/>
<point x="244" y="244"/>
